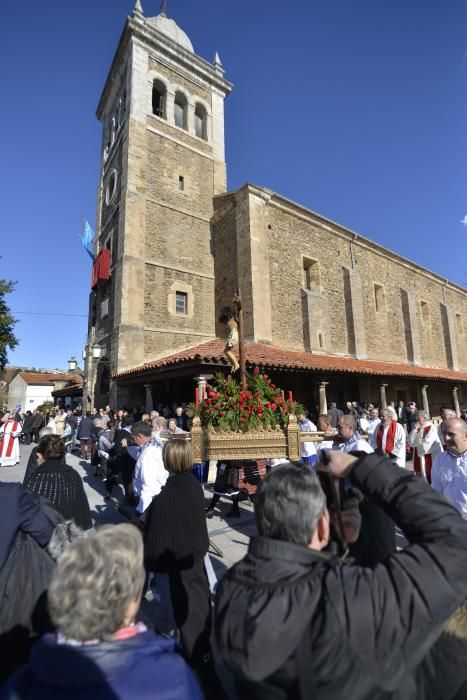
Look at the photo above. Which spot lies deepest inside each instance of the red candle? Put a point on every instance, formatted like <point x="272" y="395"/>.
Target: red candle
<point x="196" y="398"/>
<point x="290" y="400"/>
<point x="283" y="395"/>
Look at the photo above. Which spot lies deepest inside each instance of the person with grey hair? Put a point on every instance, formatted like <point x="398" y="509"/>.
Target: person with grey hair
<point x="293" y="621"/>
<point x="350" y="439"/>
<point x="389" y="437"/>
<point x="425" y="440"/>
<point x="100" y="651"/>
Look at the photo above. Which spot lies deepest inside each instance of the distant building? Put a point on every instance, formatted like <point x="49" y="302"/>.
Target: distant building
<point x="328" y="313"/>
<point x="31" y="389"/>
<point x="5" y="378"/>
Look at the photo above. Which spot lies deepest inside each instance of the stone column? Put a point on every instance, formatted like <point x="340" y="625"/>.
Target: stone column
<point x="426" y="406"/>
<point x="382" y="395"/>
<point x="149" y="401"/>
<point x="191" y="118"/>
<point x="323" y="403"/>
<point x="455" y="400"/>
<point x="169" y="107"/>
<point x="201" y="387"/>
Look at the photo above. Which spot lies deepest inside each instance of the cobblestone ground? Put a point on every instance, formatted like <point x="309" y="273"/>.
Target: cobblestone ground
<point x="231" y="536"/>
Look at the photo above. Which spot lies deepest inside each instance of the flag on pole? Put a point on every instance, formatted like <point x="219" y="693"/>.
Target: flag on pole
<point x="87" y="239"/>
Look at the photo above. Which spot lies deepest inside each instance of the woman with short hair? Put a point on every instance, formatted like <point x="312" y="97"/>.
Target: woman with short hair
<point x="59" y="483"/>
<point x="175" y="544"/>
<point x="99" y="650"/>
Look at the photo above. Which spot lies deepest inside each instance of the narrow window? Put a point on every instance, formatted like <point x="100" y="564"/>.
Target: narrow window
<point x="181" y="111"/>
<point x="159" y="94"/>
<point x="113" y="129"/>
<point x="201" y="119"/>
<point x="380" y="298"/>
<point x="111" y="189"/>
<point x="311" y="275"/>
<point x="320" y="340"/>
<point x="181" y="302"/>
<point x="181" y="183"/>
<point x="460" y="329"/>
<point x="425" y="311"/>
<point x="104" y="307"/>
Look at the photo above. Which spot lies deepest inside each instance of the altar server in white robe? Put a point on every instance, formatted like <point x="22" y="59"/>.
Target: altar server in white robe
<point x="10" y="429"/>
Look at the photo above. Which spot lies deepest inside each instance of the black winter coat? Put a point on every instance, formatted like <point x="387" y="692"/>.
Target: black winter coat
<point x="63" y="487"/>
<point x="85" y="428"/>
<point x="366" y="630"/>
<point x="25" y="571"/>
<point x="19" y="512"/>
<point x="38" y="421"/>
<point x="176" y="531"/>
<point x="27" y="424"/>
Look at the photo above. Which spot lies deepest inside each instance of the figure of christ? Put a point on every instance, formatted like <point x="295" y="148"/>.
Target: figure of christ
<point x="229" y="315"/>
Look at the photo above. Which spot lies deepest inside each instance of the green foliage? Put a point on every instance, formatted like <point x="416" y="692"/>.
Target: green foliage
<point x="261" y="406"/>
<point x="7" y="324"/>
<point x="44" y="407"/>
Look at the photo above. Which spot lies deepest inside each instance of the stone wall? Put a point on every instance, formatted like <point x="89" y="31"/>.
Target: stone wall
<point x="225" y="263"/>
<point x="390" y="328"/>
<point x="167" y="161"/>
<point x="364" y="301"/>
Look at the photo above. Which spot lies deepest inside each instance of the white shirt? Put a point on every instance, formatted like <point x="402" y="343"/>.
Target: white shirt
<point x="52" y="425"/>
<point x="364" y="422"/>
<point x="426" y="444"/>
<point x="372" y="425"/>
<point x="449" y="478"/>
<point x="150" y="474"/>
<point x="399" y="443"/>
<point x="354" y="444"/>
<point x="307" y="449"/>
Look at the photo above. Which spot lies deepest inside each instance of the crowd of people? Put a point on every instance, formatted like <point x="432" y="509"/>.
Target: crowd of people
<point x="323" y="604"/>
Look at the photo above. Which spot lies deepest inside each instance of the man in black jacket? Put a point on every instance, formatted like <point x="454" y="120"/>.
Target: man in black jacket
<point x="295" y="622"/>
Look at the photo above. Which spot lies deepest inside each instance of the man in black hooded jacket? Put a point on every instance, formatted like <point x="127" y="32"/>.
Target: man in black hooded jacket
<point x="295" y="622"/>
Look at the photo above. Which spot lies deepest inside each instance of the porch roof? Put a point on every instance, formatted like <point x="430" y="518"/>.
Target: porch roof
<point x="270" y="357"/>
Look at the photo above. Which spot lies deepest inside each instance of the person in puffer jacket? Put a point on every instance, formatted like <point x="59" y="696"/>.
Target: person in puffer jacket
<point x="293" y="621"/>
<point x="99" y="651"/>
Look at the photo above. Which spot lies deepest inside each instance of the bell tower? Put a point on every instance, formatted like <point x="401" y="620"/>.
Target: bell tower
<point x="162" y="162"/>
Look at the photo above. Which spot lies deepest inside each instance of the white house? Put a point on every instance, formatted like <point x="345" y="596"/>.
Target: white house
<point x="31" y="389"/>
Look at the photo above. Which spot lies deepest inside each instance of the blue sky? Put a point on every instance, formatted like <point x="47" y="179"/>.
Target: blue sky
<point x="356" y="110"/>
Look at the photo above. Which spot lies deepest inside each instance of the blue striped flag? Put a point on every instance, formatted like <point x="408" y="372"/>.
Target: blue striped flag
<point x="87" y="239"/>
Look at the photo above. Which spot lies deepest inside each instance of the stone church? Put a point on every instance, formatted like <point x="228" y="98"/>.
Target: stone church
<point x="328" y="313"/>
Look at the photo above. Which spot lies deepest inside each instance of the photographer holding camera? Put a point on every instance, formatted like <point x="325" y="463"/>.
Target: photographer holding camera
<point x="293" y="621"/>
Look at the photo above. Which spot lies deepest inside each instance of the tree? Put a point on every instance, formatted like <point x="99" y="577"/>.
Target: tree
<point x="7" y="323"/>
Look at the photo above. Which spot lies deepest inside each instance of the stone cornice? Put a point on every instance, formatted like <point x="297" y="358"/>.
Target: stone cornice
<point x="301" y="212"/>
<point x="194" y="64"/>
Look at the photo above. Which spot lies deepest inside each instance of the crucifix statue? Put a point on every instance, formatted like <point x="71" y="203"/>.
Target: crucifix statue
<point x="232" y="316"/>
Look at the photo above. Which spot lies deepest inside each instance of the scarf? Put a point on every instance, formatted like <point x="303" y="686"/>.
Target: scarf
<point x="390" y="437"/>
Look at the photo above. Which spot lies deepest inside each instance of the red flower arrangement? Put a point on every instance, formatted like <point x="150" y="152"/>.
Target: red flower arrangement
<point x="228" y="407"/>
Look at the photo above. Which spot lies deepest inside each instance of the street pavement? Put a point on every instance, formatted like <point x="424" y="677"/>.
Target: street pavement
<point x="230" y="536"/>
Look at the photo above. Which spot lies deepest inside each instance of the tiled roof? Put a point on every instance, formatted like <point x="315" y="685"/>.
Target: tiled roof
<point x="275" y="358"/>
<point x="46" y="378"/>
<point x="74" y="389"/>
